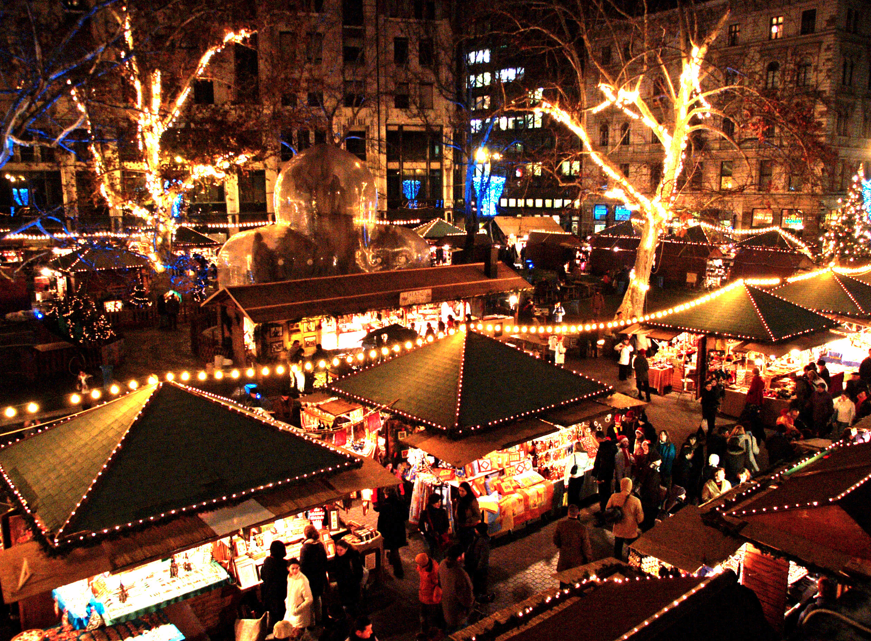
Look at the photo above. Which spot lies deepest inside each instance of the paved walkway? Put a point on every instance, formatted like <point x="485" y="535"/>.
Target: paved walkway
<point x="522" y="563"/>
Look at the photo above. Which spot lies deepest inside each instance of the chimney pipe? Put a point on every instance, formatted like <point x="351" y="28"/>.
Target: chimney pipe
<point x="491" y="265"/>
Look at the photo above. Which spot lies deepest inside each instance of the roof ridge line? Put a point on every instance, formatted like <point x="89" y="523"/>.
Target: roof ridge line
<point x="114" y="451"/>
<point x="747" y="288"/>
<point x="837" y="277"/>
<point x="456" y="426"/>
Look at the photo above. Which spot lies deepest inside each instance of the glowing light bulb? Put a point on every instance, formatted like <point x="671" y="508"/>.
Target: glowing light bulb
<point x="114" y="389"/>
<point x="201" y="376"/>
<point x="235" y="374"/>
<point x="75" y="399"/>
<point x="32" y="408"/>
<point x="185" y="376"/>
<point x="10" y="412"/>
<point x="219" y="375"/>
<point x="170" y="376"/>
<point x="280" y="370"/>
<point x="132" y="384"/>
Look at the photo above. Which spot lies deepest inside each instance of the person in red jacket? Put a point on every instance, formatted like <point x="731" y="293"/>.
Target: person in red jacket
<point x="753" y="405"/>
<point x="429" y="593"/>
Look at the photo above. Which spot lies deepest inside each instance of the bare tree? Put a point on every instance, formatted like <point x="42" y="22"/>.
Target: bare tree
<point x="48" y="50"/>
<point x="656" y="72"/>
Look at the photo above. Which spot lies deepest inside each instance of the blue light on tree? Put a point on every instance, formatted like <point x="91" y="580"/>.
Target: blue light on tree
<point x="866" y="195"/>
<point x="492" y="187"/>
<point x="177" y="205"/>
<point x="410" y="189"/>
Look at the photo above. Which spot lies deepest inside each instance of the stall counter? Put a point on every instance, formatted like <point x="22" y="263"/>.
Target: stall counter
<point x="734" y="401"/>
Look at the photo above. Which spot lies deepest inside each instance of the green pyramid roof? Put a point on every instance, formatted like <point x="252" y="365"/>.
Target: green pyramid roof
<point x="437" y="228"/>
<point x="828" y="291"/>
<point x="467" y="381"/>
<point x="154" y="453"/>
<point x="745" y="312"/>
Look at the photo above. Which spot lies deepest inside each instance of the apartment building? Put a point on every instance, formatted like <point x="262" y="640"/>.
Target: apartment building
<point x="803" y="51"/>
<point x="369" y="76"/>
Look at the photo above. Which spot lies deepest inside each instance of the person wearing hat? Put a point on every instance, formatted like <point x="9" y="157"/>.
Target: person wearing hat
<point x="477" y="562"/>
<point x="284" y="630"/>
<point x="626" y="530"/>
<point x="822" y="408"/>
<point x="299" y="598"/>
<point x="429" y="594"/>
<point x="273" y="590"/>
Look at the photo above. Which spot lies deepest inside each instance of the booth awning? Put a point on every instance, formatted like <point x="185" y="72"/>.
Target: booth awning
<point x="358" y="293"/>
<point x="437" y="228"/>
<point x="801" y="344"/>
<point x="685" y="542"/>
<point x="46" y="572"/>
<point x="467" y="382"/>
<point x="89" y="259"/>
<point x="829" y="292"/>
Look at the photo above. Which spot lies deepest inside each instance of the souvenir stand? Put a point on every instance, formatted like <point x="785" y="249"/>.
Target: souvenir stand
<point x="175" y="515"/>
<point x="508" y="441"/>
<point x="343" y="424"/>
<point x="806" y="516"/>
<point x="725" y="331"/>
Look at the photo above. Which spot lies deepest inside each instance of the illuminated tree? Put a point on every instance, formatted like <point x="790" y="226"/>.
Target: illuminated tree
<point x="654" y="73"/>
<point x="158" y="96"/>
<point x="847" y="237"/>
<point x="47" y="50"/>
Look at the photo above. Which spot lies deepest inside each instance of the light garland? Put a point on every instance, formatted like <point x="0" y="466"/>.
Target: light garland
<point x="153" y="118"/>
<point x="56" y="540"/>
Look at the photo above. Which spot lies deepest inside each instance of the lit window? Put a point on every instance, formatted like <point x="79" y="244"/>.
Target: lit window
<point x="475" y="124"/>
<point x="548" y="203"/>
<point x="512" y="202"/>
<point x="539" y="203"/>
<point x="775" y="30"/>
<point x="726" y="179"/>
<point x="529" y="202"/>
<point x="510" y="74"/>
<point x="479" y="57"/>
<point x="503" y="202"/>
<point x="734" y="34"/>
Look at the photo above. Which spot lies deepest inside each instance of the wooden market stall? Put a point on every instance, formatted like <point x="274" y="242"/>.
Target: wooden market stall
<point x="774" y="253"/>
<point x="737" y="328"/>
<point x="337" y="311"/>
<point x="165" y="495"/>
<point x="472" y="408"/>
<point x="101" y="272"/>
<point x="808" y="516"/>
<point x="611" y="601"/>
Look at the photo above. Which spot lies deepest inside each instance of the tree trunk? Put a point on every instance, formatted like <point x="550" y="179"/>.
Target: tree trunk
<point x="470" y="214"/>
<point x="636" y="294"/>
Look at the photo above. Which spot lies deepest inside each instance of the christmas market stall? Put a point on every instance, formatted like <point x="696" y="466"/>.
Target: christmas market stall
<point x="337" y="312"/>
<point x="166" y="500"/>
<point x="470" y="408"/>
<point x="552" y="250"/>
<point x="614" y="601"/>
<point x="776" y="531"/>
<point x="736" y="328"/>
<point x="442" y="238"/>
<point x="772" y="253"/>
<point x="105" y="273"/>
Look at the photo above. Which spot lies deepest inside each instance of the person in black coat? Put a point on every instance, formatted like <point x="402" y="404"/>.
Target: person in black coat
<point x="710" y="398"/>
<point x="313" y="564"/>
<point x="650" y="492"/>
<point x="392" y="513"/>
<point x="346" y="569"/>
<point x="603" y="467"/>
<point x="273" y="590"/>
<point x="435" y="526"/>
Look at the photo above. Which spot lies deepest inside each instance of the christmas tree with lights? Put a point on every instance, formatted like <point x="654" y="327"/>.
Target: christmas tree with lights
<point x="847" y="239"/>
<point x="139" y="296"/>
<point x="77" y="319"/>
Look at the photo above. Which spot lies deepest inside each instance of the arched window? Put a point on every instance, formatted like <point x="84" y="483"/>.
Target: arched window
<point x="772" y="75"/>
<point x="624" y="134"/>
<point x="603" y="134"/>
<point x="803" y="73"/>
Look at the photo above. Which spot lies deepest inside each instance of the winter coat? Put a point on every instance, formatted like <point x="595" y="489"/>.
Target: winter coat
<point x="573" y="541"/>
<point x="429" y="579"/>
<point x="274" y="587"/>
<point x="391" y="522"/>
<point x="313" y="563"/>
<point x="299" y="602"/>
<point x="642" y="368"/>
<point x="347" y="571"/>
<point x="457" y="595"/>
<point x="822" y="408"/>
<point x="477" y="557"/>
<point x="633" y="515"/>
<point x="712" y="489"/>
<point x="603" y="466"/>
<point x="622" y="465"/>
<point x="468" y="514"/>
<point x="667" y="453"/>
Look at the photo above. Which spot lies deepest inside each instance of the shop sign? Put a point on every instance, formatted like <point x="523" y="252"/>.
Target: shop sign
<point x="415" y="297"/>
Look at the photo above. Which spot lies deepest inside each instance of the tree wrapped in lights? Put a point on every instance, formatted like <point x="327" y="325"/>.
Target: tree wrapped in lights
<point x="847" y="237"/>
<point x="77" y="319"/>
<point x="158" y="98"/>
<point x="650" y="75"/>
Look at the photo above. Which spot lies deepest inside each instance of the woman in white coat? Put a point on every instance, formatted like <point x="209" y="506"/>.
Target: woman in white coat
<point x="299" y="598"/>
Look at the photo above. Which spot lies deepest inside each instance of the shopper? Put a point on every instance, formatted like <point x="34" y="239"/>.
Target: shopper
<point x="824" y="373"/>
<point x="559" y="354"/>
<point x="626" y="530"/>
<point x="429" y="593"/>
<point x="642" y="374"/>
<point x="435" y="526"/>
<point x="822" y="409"/>
<point x="573" y="541"/>
<point x="683" y="470"/>
<point x="667" y="453"/>
<point x="603" y="467"/>
<point x="624" y="357"/>
<point x="573" y="478"/>
<point x="313" y="563"/>
<point x="623" y="461"/>
<point x="651" y="492"/>
<point x="457" y="593"/>
<point x="273" y="589"/>
<point x="716" y="486"/>
<point x="362" y="629"/>
<point x="710" y="399"/>
<point x="467" y="514"/>
<point x="753" y="404"/>
<point x="845" y="412"/>
<point x="865" y="370"/>
<point x="391" y="524"/>
<point x="299" y="599"/>
<point x="346" y="569"/>
<point x="597" y="305"/>
<point x="172" y="309"/>
<point x="477" y="562"/>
